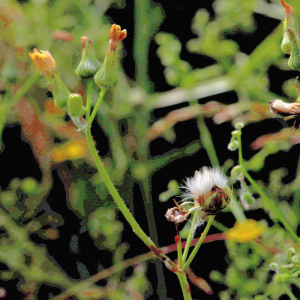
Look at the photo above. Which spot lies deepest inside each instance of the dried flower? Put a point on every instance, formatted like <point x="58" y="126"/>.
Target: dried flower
<point x="287" y="110"/>
<point x="176" y="214"/>
<point x="209" y="188"/>
<point x="116" y="36"/>
<point x="107" y="76"/>
<point x="245" y="231"/>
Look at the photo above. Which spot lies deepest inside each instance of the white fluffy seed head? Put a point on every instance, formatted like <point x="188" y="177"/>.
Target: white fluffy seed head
<point x="203" y="181"/>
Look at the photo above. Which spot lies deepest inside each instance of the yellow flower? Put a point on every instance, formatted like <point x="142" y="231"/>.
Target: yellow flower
<point x="245" y="231"/>
<point x="76" y="149"/>
<point x="43" y="62"/>
<point x="72" y="150"/>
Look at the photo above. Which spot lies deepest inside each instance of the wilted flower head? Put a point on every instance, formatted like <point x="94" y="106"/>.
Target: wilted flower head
<point x="284" y="109"/>
<point x="43" y="62"/>
<point x="209" y="188"/>
<point x="116" y="35"/>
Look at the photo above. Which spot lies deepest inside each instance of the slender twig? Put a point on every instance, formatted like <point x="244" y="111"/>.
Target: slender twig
<point x="90" y="120"/>
<point x="190" y="236"/>
<point x="199" y="243"/>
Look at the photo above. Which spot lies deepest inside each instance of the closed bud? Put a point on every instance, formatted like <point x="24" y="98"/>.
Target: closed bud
<point x="59" y="90"/>
<point x="75" y="104"/>
<point x="107" y="76"/>
<point x="294" y="60"/>
<point x="89" y="63"/>
<point x="289" y="22"/>
<point x="233" y="145"/>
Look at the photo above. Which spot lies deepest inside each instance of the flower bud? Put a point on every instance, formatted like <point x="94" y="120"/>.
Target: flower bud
<point x="294" y="60"/>
<point x="289" y="22"/>
<point x="209" y="188"/>
<point x="59" y="90"/>
<point x="89" y="63"/>
<point x="107" y="76"/>
<point x="46" y="65"/>
<point x="233" y="145"/>
<point x="75" y="104"/>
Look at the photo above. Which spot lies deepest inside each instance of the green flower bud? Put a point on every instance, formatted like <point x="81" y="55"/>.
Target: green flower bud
<point x="294" y="60"/>
<point x="89" y="63"/>
<point x="289" y="22"/>
<point x="75" y="104"/>
<point x="29" y="185"/>
<point x="59" y="90"/>
<point x="107" y="76"/>
<point x="233" y="145"/>
<point x="236" y="133"/>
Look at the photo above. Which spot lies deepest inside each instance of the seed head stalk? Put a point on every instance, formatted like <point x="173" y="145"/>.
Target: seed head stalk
<point x="199" y="243"/>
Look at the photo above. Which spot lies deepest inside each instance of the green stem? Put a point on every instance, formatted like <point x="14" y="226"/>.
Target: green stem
<point x="90" y="120"/>
<point x="199" y="243"/>
<point x="207" y="142"/>
<point x="179" y="250"/>
<point x="89" y="98"/>
<point x="190" y="237"/>
<point x="114" y="193"/>
<point x="184" y="286"/>
<point x="26" y="87"/>
<point x="265" y="198"/>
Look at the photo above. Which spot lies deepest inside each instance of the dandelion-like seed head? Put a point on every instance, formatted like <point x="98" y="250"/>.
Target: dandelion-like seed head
<point x="43" y="62"/>
<point x="209" y="189"/>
